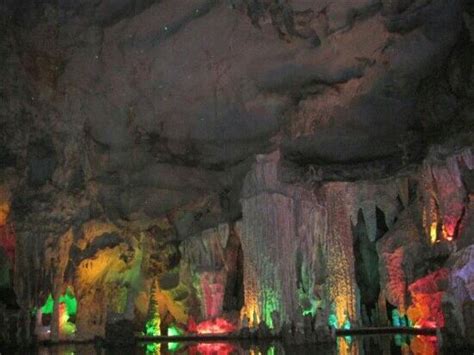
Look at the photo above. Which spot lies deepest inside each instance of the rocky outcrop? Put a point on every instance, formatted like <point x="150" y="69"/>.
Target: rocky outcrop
<point x="300" y="250"/>
<point x="210" y="264"/>
<point x="424" y="253"/>
<point x="310" y="246"/>
<point x="458" y="302"/>
<point x="129" y="131"/>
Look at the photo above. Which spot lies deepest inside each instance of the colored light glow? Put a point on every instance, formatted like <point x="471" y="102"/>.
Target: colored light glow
<point x="396" y="318"/>
<point x="251" y="311"/>
<point x="434" y="232"/>
<point x="338" y="321"/>
<point x="400" y="340"/>
<point x="332" y="320"/>
<point x="68" y="299"/>
<point x="65" y="327"/>
<point x="212" y="294"/>
<point x="153" y="349"/>
<point x="215" y="326"/>
<point x="424" y="345"/>
<point x="174" y="331"/>
<point x="346" y="324"/>
<point x="341" y="287"/>
<point x="166" y="299"/>
<point x="270" y="305"/>
<point x="399" y="320"/>
<point x="308" y="303"/>
<point x="48" y="306"/>
<point x="449" y="228"/>
<point x="426" y="310"/>
<point x="152" y="327"/>
<point x="173" y="347"/>
<point x="422" y="314"/>
<point x="314" y="306"/>
<point x="308" y="312"/>
<point x="214" y="348"/>
<point x="344" y="346"/>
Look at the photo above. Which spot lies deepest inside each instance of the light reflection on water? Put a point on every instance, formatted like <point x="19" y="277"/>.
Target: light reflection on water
<point x="361" y="345"/>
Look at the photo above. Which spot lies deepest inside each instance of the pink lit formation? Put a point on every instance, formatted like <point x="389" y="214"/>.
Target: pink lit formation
<point x="215" y="326"/>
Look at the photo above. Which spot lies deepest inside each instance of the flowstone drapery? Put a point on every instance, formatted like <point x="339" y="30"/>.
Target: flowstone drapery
<point x="298" y="241"/>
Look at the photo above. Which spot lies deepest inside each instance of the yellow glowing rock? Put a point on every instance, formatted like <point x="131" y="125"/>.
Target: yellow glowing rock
<point x="105" y="263"/>
<point x="433" y="232"/>
<point x="345" y="348"/>
<point x="4" y="212"/>
<point x="167" y="303"/>
<point x="4" y="204"/>
<point x="251" y="311"/>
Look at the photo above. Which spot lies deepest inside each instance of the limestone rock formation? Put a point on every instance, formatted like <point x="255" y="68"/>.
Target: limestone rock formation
<point x="196" y="159"/>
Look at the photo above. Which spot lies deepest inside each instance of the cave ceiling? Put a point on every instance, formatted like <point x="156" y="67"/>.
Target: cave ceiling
<point x="143" y="109"/>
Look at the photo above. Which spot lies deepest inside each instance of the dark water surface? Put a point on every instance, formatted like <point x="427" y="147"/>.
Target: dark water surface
<point x="359" y="345"/>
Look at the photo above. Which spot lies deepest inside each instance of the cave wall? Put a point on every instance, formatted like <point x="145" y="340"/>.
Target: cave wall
<point x="299" y="244"/>
<point x="314" y="226"/>
<point x="181" y="162"/>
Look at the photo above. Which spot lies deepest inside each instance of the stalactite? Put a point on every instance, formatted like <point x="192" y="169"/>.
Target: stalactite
<point x="396" y="283"/>
<point x="341" y="274"/>
<point x="283" y="223"/>
<point x="205" y="257"/>
<point x="269" y="242"/>
<point x="444" y="194"/>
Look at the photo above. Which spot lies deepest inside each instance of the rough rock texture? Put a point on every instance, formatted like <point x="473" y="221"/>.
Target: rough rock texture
<point x="312" y="228"/>
<point x="300" y="250"/>
<point x="425" y="262"/>
<point x="210" y="264"/>
<point x="128" y="133"/>
<point x="458" y="302"/>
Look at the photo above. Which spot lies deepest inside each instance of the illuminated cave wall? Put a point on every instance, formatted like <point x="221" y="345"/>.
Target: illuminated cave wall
<point x="426" y="261"/>
<point x="347" y="204"/>
<point x="102" y="266"/>
<point x="110" y="159"/>
<point x="294" y="245"/>
<point x="298" y="242"/>
<point x="10" y="318"/>
<point x="444" y="193"/>
<point x="278" y="222"/>
<point x="204" y="256"/>
<point x="109" y="270"/>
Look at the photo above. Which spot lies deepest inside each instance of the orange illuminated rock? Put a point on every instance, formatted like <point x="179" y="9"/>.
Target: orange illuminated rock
<point x="423" y="345"/>
<point x="427" y="293"/>
<point x="4" y="205"/>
